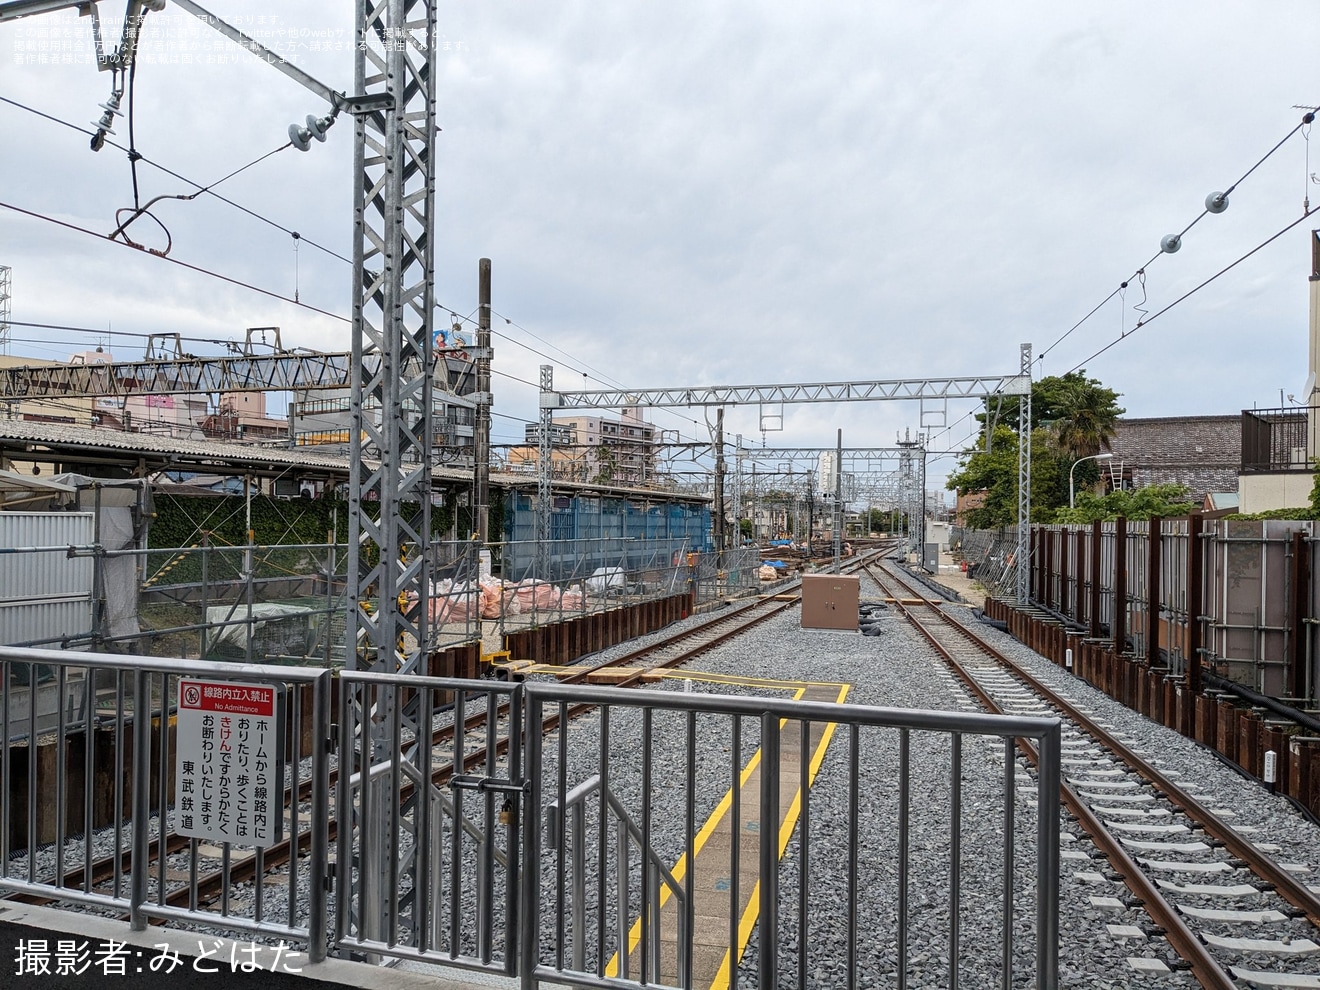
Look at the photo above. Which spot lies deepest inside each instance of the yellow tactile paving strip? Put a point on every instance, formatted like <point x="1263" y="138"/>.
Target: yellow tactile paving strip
<point x="712" y="864"/>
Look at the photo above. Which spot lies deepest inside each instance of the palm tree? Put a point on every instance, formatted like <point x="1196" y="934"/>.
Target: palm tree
<point x="1086" y="417"/>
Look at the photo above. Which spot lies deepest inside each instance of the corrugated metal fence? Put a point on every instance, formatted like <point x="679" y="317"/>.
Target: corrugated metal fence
<point x="1235" y="596"/>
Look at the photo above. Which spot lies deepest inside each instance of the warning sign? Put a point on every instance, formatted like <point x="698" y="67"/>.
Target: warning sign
<point x="229" y="767"/>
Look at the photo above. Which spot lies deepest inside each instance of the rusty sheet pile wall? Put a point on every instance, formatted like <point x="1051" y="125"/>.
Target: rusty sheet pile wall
<point x="1199" y="624"/>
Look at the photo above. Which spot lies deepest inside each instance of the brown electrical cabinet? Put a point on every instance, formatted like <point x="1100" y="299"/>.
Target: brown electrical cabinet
<point x="829" y="601"/>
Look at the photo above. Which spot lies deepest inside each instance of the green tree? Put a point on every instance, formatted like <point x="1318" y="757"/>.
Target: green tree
<point x="1136" y="503"/>
<point x="1084" y="416"/>
<point x="1072" y="416"/>
<point x="996" y="474"/>
<point x="1082" y="403"/>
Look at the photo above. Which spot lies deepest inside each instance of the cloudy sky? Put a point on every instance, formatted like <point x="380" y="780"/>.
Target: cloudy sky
<point x="690" y="193"/>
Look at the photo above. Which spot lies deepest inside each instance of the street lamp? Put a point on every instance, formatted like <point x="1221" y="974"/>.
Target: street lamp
<point x="1094" y="457"/>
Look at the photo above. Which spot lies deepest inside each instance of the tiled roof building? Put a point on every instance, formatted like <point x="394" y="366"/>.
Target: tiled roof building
<point x="1202" y="452"/>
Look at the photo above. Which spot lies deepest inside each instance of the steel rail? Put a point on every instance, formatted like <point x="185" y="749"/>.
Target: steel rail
<point x="691" y="633"/>
<point x="1298" y="894"/>
<point x="1188" y="945"/>
<point x="774" y="609"/>
<point x="211" y="885"/>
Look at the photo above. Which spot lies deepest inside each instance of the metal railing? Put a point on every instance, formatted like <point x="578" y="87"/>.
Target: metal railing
<point x="1277" y="439"/>
<point x="428" y="838"/>
<point x="605" y="858"/>
<point x="71" y="833"/>
<point x="658" y="877"/>
<point x="613" y="920"/>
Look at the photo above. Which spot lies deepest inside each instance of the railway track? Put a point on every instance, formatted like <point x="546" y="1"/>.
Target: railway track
<point x="680" y="647"/>
<point x="108" y="873"/>
<point x="209" y="886"/>
<point x="1230" y="911"/>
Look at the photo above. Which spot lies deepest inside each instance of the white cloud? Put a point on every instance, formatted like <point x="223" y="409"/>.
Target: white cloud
<point x="744" y="192"/>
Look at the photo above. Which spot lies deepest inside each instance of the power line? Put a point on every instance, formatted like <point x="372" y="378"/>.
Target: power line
<point x="1192" y="291"/>
<point x="523" y="381"/>
<point x="528" y="347"/>
<point x="600" y="376"/>
<point x="175" y="261"/>
<point x="1213" y="198"/>
<point x="208" y="190"/>
<point x="516" y="419"/>
<point x="110" y="333"/>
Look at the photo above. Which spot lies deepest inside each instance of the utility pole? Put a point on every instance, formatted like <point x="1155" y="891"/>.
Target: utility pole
<point x="921" y="528"/>
<point x="908" y="502"/>
<point x="718" y="522"/>
<point x="737" y="489"/>
<point x="756" y="534"/>
<point x="544" y="474"/>
<point x="1022" y="557"/>
<point x="481" y="442"/>
<point x="811" y="508"/>
<point x="838" y="503"/>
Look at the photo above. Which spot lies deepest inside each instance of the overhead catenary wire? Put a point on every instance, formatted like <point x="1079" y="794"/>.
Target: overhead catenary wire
<point x="133" y="155"/>
<point x="1140" y="271"/>
<point x="541" y="354"/>
<point x="1192" y="291"/>
<point x="1140" y="274"/>
<point x="139" y="210"/>
<point x="200" y="187"/>
<point x="175" y="261"/>
<point x="598" y="375"/>
<point x="209" y="189"/>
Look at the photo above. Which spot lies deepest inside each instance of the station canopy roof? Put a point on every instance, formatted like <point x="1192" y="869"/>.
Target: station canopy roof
<point x="140" y="454"/>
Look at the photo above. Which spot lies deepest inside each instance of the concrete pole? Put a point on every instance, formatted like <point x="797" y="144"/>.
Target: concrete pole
<point x="481" y="435"/>
<point x="718" y="518"/>
<point x="838" y="502"/>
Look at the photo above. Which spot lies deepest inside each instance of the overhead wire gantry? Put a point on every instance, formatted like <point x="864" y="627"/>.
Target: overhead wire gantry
<point x="774" y="396"/>
<point x="393" y="106"/>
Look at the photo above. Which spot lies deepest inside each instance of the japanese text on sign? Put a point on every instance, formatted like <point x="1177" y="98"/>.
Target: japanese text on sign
<point x="228" y="770"/>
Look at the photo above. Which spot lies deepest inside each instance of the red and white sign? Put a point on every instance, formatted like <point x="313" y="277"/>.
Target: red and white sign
<point x="229" y="767"/>
<point x="235" y="699"/>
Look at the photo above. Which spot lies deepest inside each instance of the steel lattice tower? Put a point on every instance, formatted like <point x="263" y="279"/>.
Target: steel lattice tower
<point x="1022" y="557"/>
<point x="6" y="294"/>
<point x="391" y="435"/>
<point x="545" y="475"/>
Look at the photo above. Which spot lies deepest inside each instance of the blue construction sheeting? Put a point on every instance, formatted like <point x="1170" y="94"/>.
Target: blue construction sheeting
<point x="594" y="531"/>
